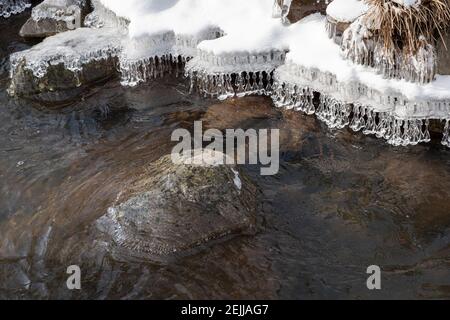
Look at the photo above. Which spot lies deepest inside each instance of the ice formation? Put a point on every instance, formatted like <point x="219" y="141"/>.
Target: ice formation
<point x="236" y="48"/>
<point x="359" y="46"/>
<point x="59" y="10"/>
<point x="74" y="49"/>
<point x="11" y="7"/>
<point x="281" y="10"/>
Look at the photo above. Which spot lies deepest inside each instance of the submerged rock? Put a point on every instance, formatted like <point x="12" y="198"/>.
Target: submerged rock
<point x="246" y="112"/>
<point x="55" y="16"/>
<point x="62" y="66"/>
<point x="177" y="208"/>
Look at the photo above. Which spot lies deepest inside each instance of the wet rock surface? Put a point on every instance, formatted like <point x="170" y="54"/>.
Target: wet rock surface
<point x="175" y="209"/>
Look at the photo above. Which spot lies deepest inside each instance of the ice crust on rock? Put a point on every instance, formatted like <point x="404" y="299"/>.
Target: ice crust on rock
<point x="59" y="10"/>
<point x="12" y="7"/>
<point x="73" y="49"/>
<point x="101" y="17"/>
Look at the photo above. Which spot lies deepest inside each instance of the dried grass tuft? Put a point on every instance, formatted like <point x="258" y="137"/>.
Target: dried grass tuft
<point x="406" y="28"/>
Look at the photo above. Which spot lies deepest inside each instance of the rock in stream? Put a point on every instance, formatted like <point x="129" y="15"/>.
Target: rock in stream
<point x="178" y="208"/>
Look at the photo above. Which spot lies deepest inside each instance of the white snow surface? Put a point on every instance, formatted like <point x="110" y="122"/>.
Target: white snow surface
<point x="249" y="28"/>
<point x="316" y="50"/>
<point x="347" y="10"/>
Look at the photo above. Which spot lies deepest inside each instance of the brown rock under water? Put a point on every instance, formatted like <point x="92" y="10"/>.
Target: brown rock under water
<point x="176" y="208"/>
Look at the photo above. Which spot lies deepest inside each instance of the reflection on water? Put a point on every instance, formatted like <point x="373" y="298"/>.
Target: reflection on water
<point x="340" y="203"/>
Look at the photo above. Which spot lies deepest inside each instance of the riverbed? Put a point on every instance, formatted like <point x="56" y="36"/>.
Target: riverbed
<point x="340" y="203"/>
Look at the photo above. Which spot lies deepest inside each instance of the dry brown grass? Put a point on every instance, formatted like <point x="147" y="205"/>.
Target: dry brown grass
<point x="406" y="28"/>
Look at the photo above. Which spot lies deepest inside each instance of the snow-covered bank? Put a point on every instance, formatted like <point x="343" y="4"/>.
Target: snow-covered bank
<point x="249" y="31"/>
<point x="234" y="48"/>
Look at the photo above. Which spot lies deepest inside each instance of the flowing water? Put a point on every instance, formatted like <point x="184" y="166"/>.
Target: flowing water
<point x="341" y="202"/>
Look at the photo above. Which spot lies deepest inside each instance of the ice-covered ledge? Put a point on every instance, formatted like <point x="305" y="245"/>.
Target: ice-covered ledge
<point x="394" y="109"/>
<point x="235" y="49"/>
<point x="66" y="62"/>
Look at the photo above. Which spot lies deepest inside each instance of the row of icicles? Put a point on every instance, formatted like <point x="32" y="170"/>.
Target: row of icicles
<point x="337" y="115"/>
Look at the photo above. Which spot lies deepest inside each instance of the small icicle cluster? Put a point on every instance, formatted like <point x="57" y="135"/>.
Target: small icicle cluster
<point x="224" y="86"/>
<point x="12" y="7"/>
<point x="419" y="68"/>
<point x="152" y="56"/>
<point x="446" y="137"/>
<point x="143" y="70"/>
<point x="363" y="44"/>
<point x="237" y="74"/>
<point x="57" y="12"/>
<point x="357" y="43"/>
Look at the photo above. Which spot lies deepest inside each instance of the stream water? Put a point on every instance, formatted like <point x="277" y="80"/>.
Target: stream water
<point x="341" y="202"/>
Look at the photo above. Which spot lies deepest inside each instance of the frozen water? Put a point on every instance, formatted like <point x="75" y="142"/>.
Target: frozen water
<point x="103" y="17"/>
<point x="73" y="49"/>
<point x="360" y="47"/>
<point x="281" y="10"/>
<point x="392" y="117"/>
<point x="150" y="56"/>
<point x="11" y="7"/>
<point x="227" y="75"/>
<point x="59" y="10"/>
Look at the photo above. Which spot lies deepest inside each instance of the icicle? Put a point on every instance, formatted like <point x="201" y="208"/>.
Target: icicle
<point x="281" y="10"/>
<point x="86" y="46"/>
<point x="357" y="44"/>
<point x="446" y="134"/>
<point x="425" y="133"/>
<point x="143" y="70"/>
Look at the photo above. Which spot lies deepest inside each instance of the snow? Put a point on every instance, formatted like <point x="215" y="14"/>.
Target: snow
<point x="316" y="50"/>
<point x="249" y="28"/>
<point x="157" y="27"/>
<point x="347" y="10"/>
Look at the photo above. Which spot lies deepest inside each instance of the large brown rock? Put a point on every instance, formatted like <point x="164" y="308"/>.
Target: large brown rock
<point x="303" y="8"/>
<point x="177" y="208"/>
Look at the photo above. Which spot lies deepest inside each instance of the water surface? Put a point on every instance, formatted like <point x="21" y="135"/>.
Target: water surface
<point x="341" y="202"/>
